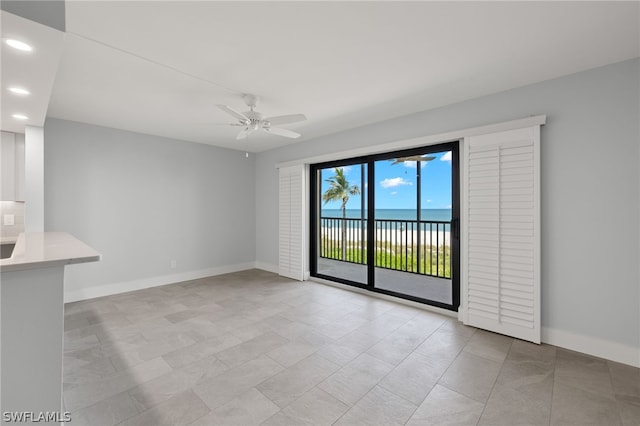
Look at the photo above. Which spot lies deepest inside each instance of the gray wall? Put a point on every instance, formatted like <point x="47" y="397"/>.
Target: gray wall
<point x="142" y="201"/>
<point x="590" y="190"/>
<point x="46" y="12"/>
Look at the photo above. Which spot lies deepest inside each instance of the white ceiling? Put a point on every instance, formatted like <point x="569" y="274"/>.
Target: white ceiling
<point x="33" y="70"/>
<point x="161" y="67"/>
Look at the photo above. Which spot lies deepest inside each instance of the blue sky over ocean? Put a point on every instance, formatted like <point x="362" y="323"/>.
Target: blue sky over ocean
<point x="396" y="184"/>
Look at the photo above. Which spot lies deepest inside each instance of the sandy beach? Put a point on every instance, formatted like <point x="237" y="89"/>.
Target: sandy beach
<point x="391" y="236"/>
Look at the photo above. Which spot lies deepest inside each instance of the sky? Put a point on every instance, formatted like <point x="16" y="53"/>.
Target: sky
<point x="396" y="184"/>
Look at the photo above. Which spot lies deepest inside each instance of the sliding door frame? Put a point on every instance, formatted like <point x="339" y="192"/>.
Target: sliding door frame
<point x="315" y="189"/>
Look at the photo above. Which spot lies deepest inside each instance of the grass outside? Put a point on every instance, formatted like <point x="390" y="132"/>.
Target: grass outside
<point x="434" y="260"/>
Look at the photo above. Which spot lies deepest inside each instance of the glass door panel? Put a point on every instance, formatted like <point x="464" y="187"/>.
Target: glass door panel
<point x="341" y="246"/>
<point x="413" y="197"/>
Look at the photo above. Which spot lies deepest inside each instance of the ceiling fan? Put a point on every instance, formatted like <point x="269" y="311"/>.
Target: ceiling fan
<point x="413" y="158"/>
<point x="253" y="120"/>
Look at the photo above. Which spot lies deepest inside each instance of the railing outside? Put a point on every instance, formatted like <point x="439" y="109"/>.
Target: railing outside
<point x="401" y="245"/>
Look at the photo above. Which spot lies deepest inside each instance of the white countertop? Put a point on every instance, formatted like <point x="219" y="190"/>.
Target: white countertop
<point x="46" y="249"/>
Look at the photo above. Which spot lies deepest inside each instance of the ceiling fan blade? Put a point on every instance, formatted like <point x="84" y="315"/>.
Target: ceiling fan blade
<point x="244" y="133"/>
<point x="282" y="132"/>
<point x="220" y="124"/>
<point x="413" y="158"/>
<point x="233" y="113"/>
<point x="285" y="119"/>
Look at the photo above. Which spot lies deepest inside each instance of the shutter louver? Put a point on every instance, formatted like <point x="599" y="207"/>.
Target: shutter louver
<point x="501" y="280"/>
<point x="291" y="232"/>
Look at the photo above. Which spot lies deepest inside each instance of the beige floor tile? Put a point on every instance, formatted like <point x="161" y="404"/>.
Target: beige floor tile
<point x="162" y="388"/>
<point x="342" y="326"/>
<point x="629" y="413"/>
<point x="315" y="407"/>
<point x="223" y="388"/>
<point x="88" y="373"/>
<point x="151" y="357"/>
<point x="443" y="345"/>
<point x="446" y="407"/>
<point x="338" y="353"/>
<point x="576" y="406"/>
<point x="292" y="352"/>
<point x="88" y="394"/>
<point x="527" y="351"/>
<point x="508" y="406"/>
<point x="400" y="343"/>
<point x="355" y="379"/>
<point x="182" y="409"/>
<point x="379" y="407"/>
<point x="626" y="382"/>
<point x="583" y="372"/>
<point x="200" y="350"/>
<point x="414" y="378"/>
<point x="489" y="345"/>
<point x="150" y="350"/>
<point x="472" y="376"/>
<point x="250" y="408"/>
<point x="206" y="368"/>
<point x="290" y="384"/>
<point x="107" y="412"/>
<point x="531" y="378"/>
<point x="251" y="349"/>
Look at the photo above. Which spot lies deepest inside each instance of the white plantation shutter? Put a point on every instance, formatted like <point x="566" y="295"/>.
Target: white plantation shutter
<point x="291" y="223"/>
<point x="501" y="248"/>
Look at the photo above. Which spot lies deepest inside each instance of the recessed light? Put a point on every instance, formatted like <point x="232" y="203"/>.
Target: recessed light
<point x="20" y="117"/>
<point x="19" y="91"/>
<point x="20" y="45"/>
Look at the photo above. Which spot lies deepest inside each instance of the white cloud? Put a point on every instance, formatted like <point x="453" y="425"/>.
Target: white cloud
<point x="446" y="157"/>
<point x="428" y="201"/>
<point x="394" y="193"/>
<point x="393" y="182"/>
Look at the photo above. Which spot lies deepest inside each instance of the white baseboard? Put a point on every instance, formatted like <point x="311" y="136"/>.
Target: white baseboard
<point x="123" y="287"/>
<point x="269" y="267"/>
<point x="592" y="346"/>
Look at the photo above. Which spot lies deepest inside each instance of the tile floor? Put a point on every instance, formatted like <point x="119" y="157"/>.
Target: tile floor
<point x="253" y="348"/>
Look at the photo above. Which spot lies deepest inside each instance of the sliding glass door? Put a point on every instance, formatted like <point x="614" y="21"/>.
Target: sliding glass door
<point x="413" y="214"/>
<point x="341" y="221"/>
<point x="389" y="223"/>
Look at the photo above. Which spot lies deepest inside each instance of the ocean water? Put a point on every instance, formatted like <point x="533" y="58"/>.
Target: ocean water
<point x="387" y="214"/>
<point x="398" y="214"/>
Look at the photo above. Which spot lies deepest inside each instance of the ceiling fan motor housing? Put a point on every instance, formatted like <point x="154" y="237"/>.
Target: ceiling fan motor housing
<point x="251" y="100"/>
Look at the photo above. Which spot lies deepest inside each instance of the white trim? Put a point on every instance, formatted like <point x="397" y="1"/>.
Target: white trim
<point x="127" y="286"/>
<point x="592" y="346"/>
<point x="399" y="300"/>
<point x="536" y="120"/>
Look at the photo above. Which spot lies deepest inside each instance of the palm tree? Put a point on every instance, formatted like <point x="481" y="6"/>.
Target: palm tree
<point x="340" y="190"/>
